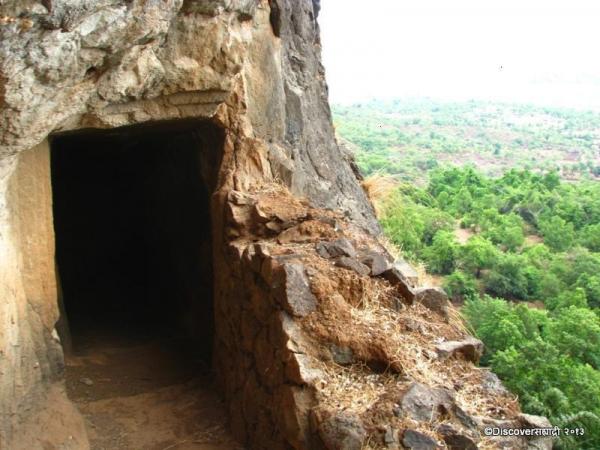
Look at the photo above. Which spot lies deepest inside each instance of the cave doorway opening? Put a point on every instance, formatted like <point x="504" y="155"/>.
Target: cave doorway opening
<point x="133" y="229"/>
<point x="132" y="220"/>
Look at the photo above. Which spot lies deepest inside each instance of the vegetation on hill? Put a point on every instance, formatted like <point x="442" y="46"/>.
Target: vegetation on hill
<point x="520" y="248"/>
<point x="406" y="138"/>
<point x="529" y="274"/>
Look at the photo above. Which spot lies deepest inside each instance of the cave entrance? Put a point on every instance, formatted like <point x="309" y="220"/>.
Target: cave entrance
<point x="134" y="257"/>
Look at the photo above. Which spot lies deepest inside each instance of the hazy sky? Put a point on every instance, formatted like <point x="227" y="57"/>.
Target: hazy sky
<point x="545" y="51"/>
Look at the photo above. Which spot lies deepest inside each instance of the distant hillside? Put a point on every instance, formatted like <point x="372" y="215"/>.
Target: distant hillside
<point x="407" y="138"/>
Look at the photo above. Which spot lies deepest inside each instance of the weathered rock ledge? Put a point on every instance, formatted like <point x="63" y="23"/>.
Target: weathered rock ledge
<point x="338" y="356"/>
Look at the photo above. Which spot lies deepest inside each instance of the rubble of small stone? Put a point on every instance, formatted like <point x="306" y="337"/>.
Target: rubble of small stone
<point x="379" y="363"/>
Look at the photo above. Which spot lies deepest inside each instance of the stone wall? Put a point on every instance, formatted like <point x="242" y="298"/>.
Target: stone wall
<point x="322" y="343"/>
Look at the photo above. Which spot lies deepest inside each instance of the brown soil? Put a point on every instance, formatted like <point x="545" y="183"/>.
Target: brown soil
<point x="463" y="235"/>
<point x="141" y="394"/>
<point x="533" y="239"/>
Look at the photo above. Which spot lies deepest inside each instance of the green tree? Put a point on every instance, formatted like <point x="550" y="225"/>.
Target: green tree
<point x="538" y="255"/>
<point x="590" y="237"/>
<point x="531" y="370"/>
<point x="434" y="221"/>
<point x="459" y="286"/>
<point x="566" y="299"/>
<point x="403" y="224"/>
<point x="508" y="279"/>
<point x="441" y="255"/>
<point x="510" y="236"/>
<point x="463" y="201"/>
<point x="576" y="332"/>
<point x="549" y="286"/>
<point x="478" y="254"/>
<point x="591" y="286"/>
<point x="558" y="234"/>
<point x="551" y="180"/>
<point x="495" y="323"/>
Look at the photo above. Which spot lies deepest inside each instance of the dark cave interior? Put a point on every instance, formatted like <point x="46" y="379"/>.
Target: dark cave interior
<point x="133" y="229"/>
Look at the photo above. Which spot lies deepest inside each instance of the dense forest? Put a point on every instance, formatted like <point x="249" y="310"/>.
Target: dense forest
<point x="519" y="252"/>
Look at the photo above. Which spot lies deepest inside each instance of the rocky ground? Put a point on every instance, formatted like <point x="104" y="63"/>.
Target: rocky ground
<point x="391" y="363"/>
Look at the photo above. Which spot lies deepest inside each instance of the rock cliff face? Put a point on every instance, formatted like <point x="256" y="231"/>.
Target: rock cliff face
<point x="295" y="258"/>
<point x="71" y="64"/>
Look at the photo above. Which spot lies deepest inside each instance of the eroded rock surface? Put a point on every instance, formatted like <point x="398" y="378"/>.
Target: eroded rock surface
<point x="469" y="348"/>
<point x="252" y="67"/>
<point x="358" y="371"/>
<point x="67" y="64"/>
<point x="319" y="339"/>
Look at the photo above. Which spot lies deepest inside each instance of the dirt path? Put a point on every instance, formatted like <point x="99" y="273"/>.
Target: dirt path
<point x="139" y="394"/>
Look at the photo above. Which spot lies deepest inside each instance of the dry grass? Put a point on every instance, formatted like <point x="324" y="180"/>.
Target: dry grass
<point x="362" y="314"/>
<point x="457" y="319"/>
<point x="412" y="350"/>
<point x="392" y="248"/>
<point x="378" y="188"/>
<point x="353" y="388"/>
<point x="410" y="337"/>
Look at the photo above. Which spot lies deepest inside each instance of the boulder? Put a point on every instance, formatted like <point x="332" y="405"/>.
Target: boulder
<point x="483" y="422"/>
<point x="470" y="348"/>
<point x="425" y="404"/>
<point x="455" y="439"/>
<point x="391" y="438"/>
<point x="342" y="355"/>
<point x="293" y="405"/>
<point x="352" y="264"/>
<point x="464" y="418"/>
<point x="531" y="421"/>
<point x="300" y="370"/>
<point x="407" y="271"/>
<point x="342" y="431"/>
<point x="433" y="298"/>
<point x="240" y="198"/>
<point x="491" y="383"/>
<point x="395" y="277"/>
<point x="293" y="290"/>
<point x="376" y="262"/>
<point x="322" y="251"/>
<point x="334" y="249"/>
<point x="419" y="441"/>
<point x="459" y="442"/>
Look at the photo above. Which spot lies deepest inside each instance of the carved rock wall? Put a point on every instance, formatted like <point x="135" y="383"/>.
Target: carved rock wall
<point x="251" y="66"/>
<point x="31" y="363"/>
<point x="308" y="310"/>
<point x="112" y="63"/>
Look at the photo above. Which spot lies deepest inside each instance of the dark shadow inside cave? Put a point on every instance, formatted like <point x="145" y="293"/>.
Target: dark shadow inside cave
<point x="133" y="232"/>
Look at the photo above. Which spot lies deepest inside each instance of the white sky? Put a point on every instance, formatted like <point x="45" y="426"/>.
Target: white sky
<point x="541" y="51"/>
